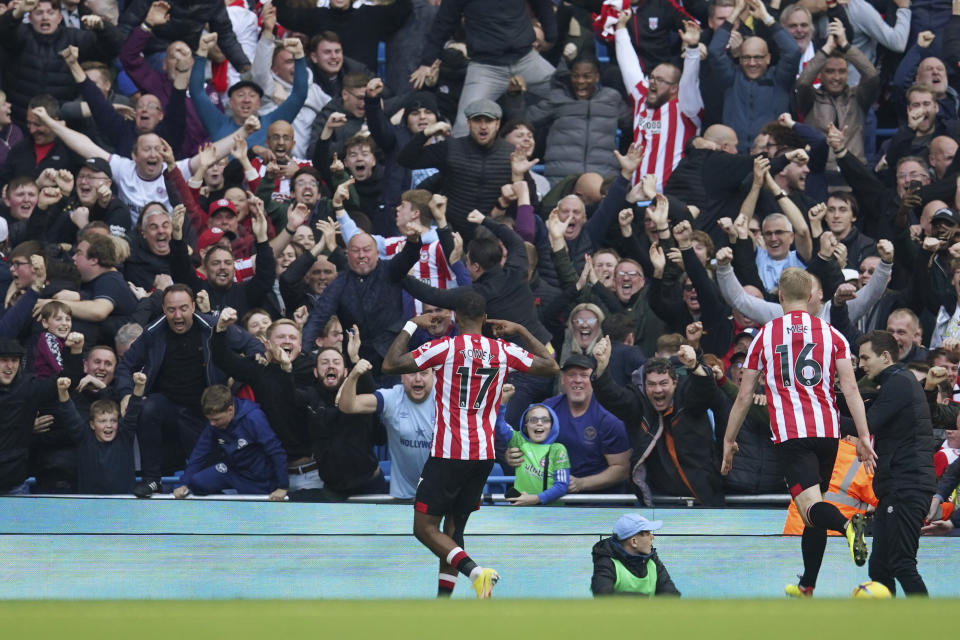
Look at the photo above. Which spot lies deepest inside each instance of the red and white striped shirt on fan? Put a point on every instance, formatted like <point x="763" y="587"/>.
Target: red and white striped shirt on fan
<point x="470" y="372"/>
<point x="431" y="269"/>
<point x="797" y="355"/>
<point x="665" y="130"/>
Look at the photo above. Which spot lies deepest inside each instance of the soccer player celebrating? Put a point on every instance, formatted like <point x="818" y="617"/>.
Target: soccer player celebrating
<point x="799" y="356"/>
<point x="470" y="372"/>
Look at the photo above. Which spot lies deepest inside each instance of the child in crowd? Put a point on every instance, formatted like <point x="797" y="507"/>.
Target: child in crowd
<point x="544" y="475"/>
<point x="105" y="463"/>
<point x="249" y="457"/>
<point x="55" y="339"/>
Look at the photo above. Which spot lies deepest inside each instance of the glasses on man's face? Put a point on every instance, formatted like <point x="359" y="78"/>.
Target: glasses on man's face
<point x="913" y="175"/>
<point x="538" y="420"/>
<point x="302" y="184"/>
<point x="16" y="264"/>
<point x="628" y="274"/>
<point x="688" y="287"/>
<point x="775" y="234"/>
<point x="753" y="58"/>
<point x="660" y="80"/>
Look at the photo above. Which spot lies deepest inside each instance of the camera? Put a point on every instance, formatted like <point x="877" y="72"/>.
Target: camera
<point x="913" y="186"/>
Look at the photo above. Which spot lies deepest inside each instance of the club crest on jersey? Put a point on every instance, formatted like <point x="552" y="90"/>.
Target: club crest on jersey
<point x="654" y="22"/>
<point x="590" y="434"/>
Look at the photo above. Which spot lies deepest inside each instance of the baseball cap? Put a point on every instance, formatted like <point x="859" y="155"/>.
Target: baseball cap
<point x="850" y="274"/>
<point x="222" y="203"/>
<point x="211" y="237"/>
<point x="10" y="347"/>
<point x="945" y="214"/>
<point x="579" y="360"/>
<point x="245" y="83"/>
<point x="99" y="165"/>
<point x="483" y="107"/>
<point x="631" y="524"/>
<point x="746" y="331"/>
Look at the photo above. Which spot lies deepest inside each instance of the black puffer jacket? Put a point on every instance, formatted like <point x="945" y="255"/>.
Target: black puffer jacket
<point x="899" y="420"/>
<point x="36" y="66"/>
<point x="472" y="174"/>
<point x="187" y="20"/>
<point x="605" y="573"/>
<point x="19" y="402"/>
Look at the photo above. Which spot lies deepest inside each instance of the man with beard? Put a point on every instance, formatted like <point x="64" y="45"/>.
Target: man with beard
<point x="276" y="384"/>
<point x="218" y="264"/>
<point x="474" y="167"/>
<point x="755" y="93"/>
<point x="670" y="431"/>
<point x="922" y="126"/>
<point x="342" y="443"/>
<point x="835" y="101"/>
<point x="174" y="353"/>
<point x="279" y="170"/>
<point x="630" y="287"/>
<point x="273" y="69"/>
<point x="666" y="105"/>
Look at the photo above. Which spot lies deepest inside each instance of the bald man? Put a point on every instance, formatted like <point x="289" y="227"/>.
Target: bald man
<point x="919" y="67"/>
<point x="367" y="294"/>
<point x="942" y="151"/>
<point x="282" y="143"/>
<point x="754" y="93"/>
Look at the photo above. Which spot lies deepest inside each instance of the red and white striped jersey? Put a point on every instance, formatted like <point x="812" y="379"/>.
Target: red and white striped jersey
<point x="797" y="355"/>
<point x="470" y="372"/>
<point x="281" y="186"/>
<point x="432" y="268"/>
<point x="665" y="130"/>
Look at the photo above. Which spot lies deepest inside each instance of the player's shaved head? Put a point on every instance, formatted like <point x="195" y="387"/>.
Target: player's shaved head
<point x="795" y="285"/>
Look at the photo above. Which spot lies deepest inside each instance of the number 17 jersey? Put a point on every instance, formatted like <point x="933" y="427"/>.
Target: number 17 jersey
<point x="797" y="356"/>
<point x="469" y="374"/>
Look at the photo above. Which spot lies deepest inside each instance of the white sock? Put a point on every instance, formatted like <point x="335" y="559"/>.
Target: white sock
<point x="476" y="573"/>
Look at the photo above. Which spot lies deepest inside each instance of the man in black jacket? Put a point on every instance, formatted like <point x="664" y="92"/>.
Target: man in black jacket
<point x="474" y="167"/>
<point x="899" y="420"/>
<point x="41" y="149"/>
<point x="670" y="432"/>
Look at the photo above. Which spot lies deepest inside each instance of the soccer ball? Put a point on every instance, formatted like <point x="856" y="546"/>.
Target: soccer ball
<point x="871" y="590"/>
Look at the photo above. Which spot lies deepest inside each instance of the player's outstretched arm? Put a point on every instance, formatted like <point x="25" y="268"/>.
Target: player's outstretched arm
<point x="398" y="360"/>
<point x="748" y="383"/>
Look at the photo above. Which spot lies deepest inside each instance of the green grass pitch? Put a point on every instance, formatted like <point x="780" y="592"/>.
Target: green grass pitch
<point x="459" y="619"/>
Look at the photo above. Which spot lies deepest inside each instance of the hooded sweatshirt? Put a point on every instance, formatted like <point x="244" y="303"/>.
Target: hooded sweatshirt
<point x="548" y="455"/>
<point x="608" y="553"/>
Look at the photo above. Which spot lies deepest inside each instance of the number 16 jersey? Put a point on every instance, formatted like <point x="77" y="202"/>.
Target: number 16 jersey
<point x="469" y="374"/>
<point x="797" y="356"/>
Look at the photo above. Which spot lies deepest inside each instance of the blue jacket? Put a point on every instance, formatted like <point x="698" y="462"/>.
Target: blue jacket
<point x="750" y="104"/>
<point x="146" y="353"/>
<point x="220" y="125"/>
<point x="248" y="446"/>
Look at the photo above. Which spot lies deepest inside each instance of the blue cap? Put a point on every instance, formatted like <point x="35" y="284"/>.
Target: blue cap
<point x="631" y="524"/>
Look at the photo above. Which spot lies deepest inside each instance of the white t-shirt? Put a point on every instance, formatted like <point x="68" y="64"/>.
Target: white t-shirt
<point x="135" y="191"/>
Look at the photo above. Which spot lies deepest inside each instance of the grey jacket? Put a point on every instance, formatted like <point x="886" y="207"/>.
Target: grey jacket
<point x="582" y="132"/>
<point x="763" y="312"/>
<point x="750" y="104"/>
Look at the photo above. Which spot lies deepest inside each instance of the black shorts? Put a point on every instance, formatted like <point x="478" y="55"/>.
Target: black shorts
<point x="451" y="487"/>
<point x="807" y="462"/>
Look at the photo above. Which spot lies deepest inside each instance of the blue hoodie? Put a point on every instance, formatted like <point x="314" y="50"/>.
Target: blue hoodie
<point x="536" y="456"/>
<point x="248" y="445"/>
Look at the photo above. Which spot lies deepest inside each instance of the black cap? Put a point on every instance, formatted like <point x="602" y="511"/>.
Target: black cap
<point x="99" y="165"/>
<point x="420" y="100"/>
<point x="945" y="214"/>
<point x="11" y="347"/>
<point x="579" y="360"/>
<point x="245" y="83"/>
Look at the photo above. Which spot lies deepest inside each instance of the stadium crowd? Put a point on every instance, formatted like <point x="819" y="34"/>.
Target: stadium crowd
<point x="218" y="215"/>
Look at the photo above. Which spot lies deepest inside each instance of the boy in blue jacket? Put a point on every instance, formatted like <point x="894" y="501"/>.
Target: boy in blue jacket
<point x="237" y="450"/>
